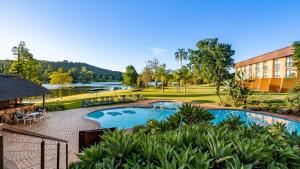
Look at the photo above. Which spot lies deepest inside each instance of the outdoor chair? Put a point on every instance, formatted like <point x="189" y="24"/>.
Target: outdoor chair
<point x="22" y="117"/>
<point x="42" y="113"/>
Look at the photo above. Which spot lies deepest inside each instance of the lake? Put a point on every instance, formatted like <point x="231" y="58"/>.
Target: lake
<point x="81" y="88"/>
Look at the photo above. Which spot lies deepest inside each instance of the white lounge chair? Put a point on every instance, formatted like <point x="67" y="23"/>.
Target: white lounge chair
<point x="21" y="116"/>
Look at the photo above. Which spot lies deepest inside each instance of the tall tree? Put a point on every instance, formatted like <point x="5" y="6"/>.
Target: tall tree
<point x="86" y="75"/>
<point x="296" y="56"/>
<point x="25" y="65"/>
<point x="177" y="78"/>
<point x="181" y="55"/>
<point x="161" y="75"/>
<point x="130" y="76"/>
<point x="3" y="68"/>
<point x="185" y="75"/>
<point x="75" y="74"/>
<point x="146" y="76"/>
<point x="153" y="66"/>
<point x="61" y="78"/>
<point x="214" y="59"/>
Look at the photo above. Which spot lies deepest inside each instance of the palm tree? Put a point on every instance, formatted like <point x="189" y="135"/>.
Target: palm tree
<point x="162" y="75"/>
<point x="177" y="79"/>
<point x="186" y="75"/>
<point x="180" y="55"/>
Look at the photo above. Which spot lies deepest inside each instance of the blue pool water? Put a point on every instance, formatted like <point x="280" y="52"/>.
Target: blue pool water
<point x="129" y="117"/>
<point x="257" y="118"/>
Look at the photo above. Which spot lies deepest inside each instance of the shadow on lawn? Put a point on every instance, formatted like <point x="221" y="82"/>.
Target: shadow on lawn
<point x="202" y="101"/>
<point x="180" y="95"/>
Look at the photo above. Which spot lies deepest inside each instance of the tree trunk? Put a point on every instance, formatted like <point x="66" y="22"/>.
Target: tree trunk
<point x="218" y="91"/>
<point x="163" y="87"/>
<point x="184" y="87"/>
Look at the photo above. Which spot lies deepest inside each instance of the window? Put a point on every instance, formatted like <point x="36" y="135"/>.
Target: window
<point x="265" y="75"/>
<point x="289" y="61"/>
<point x="289" y="73"/>
<point x="250" y="71"/>
<point x="265" y="67"/>
<point x="277" y="74"/>
<point x="277" y="64"/>
<point x="257" y="67"/>
<point x="257" y="74"/>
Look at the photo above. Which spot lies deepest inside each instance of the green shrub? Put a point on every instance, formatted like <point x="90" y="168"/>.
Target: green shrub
<point x="233" y="122"/>
<point x="293" y="99"/>
<point x="187" y="115"/>
<point x="194" y="114"/>
<point x="238" y="90"/>
<point x="55" y="107"/>
<point x="201" y="145"/>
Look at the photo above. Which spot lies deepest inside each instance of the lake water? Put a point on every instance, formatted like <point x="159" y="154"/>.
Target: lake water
<point x="81" y="88"/>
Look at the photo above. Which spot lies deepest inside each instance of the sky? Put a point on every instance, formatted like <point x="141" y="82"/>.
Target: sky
<point x="112" y="34"/>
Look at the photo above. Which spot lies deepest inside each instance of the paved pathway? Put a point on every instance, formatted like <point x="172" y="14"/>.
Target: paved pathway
<point x="25" y="151"/>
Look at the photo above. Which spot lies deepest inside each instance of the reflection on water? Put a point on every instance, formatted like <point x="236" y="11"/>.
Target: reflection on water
<point x="129" y="117"/>
<point x="259" y="119"/>
<point x="129" y="112"/>
<point x="82" y="88"/>
<point x="97" y="114"/>
<point x="114" y="113"/>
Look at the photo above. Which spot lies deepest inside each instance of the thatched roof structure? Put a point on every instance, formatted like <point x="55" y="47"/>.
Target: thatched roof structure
<point x="12" y="87"/>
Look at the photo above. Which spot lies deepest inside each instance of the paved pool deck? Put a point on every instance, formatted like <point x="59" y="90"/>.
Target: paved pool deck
<point x="66" y="125"/>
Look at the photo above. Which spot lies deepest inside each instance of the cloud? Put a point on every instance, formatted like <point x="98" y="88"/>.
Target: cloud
<point x="157" y="51"/>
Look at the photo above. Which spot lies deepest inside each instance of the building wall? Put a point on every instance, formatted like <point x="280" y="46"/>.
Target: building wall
<point x="272" y="72"/>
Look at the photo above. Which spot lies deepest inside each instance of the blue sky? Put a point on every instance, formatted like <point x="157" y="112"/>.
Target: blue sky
<point x="115" y="33"/>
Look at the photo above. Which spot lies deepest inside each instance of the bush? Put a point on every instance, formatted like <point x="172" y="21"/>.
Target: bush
<point x="194" y="114"/>
<point x="55" y="107"/>
<point x="293" y="99"/>
<point x="187" y="115"/>
<point x="201" y="145"/>
<point x="238" y="90"/>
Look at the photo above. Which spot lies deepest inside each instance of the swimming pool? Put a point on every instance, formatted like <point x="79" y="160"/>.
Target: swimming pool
<point x="166" y="104"/>
<point x="250" y="117"/>
<point x="131" y="116"/>
<point x="124" y="118"/>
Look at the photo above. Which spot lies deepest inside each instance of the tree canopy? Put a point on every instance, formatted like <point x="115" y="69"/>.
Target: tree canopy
<point x="181" y="55"/>
<point x="25" y="65"/>
<point x="214" y="59"/>
<point x="60" y="78"/>
<point x="161" y="75"/>
<point x="296" y="56"/>
<point x="146" y="75"/>
<point x="130" y="76"/>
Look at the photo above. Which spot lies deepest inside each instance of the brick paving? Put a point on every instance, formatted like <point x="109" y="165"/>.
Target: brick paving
<point x="24" y="151"/>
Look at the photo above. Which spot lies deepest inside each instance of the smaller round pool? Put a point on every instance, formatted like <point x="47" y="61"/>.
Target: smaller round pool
<point x="166" y="104"/>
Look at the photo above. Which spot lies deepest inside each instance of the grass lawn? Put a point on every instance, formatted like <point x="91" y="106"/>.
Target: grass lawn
<point x="195" y="93"/>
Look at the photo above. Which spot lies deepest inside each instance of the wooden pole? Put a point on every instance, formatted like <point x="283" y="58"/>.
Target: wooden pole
<point x="67" y="156"/>
<point x="43" y="154"/>
<point x="43" y="101"/>
<point x="1" y="152"/>
<point x="58" y="151"/>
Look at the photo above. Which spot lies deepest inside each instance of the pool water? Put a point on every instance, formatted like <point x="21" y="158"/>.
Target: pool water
<point x="123" y="118"/>
<point x="249" y="117"/>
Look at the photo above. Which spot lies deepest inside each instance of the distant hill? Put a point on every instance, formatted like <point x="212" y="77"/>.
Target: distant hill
<point x="100" y="74"/>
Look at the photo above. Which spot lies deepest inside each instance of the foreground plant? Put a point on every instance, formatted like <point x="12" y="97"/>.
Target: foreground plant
<point x="201" y="145"/>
